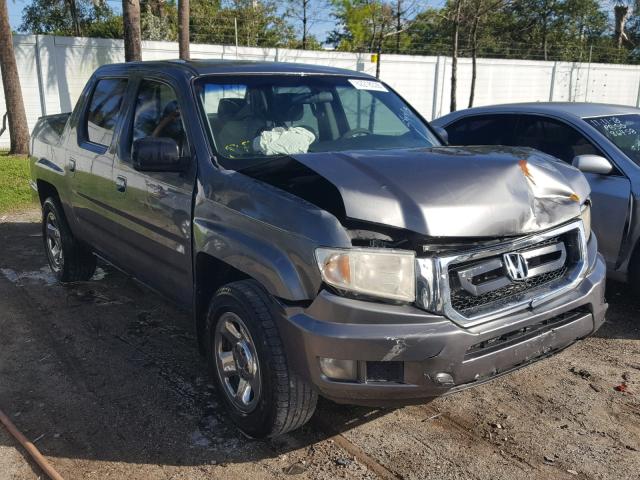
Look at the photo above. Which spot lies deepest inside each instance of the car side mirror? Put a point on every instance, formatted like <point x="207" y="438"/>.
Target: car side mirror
<point x="442" y="133"/>
<point x="156" y="154"/>
<point x="592" y="164"/>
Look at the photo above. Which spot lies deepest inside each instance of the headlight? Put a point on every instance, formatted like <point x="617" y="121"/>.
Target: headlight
<point x="585" y="215"/>
<point x="376" y="272"/>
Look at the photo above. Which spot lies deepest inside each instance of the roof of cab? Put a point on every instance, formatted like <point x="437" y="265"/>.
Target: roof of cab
<point x="231" y="67"/>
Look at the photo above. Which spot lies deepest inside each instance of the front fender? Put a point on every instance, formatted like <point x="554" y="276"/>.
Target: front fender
<point x="267" y="234"/>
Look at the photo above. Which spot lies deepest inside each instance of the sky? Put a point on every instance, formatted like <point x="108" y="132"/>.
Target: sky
<point x="319" y="28"/>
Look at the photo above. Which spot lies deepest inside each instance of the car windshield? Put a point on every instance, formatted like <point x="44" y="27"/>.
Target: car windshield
<point x="253" y="117"/>
<point x="623" y="131"/>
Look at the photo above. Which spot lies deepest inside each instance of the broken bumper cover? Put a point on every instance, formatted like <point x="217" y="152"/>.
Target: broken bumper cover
<point x="419" y="347"/>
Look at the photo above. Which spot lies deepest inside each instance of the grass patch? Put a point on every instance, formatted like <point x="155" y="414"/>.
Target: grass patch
<point x="15" y="192"/>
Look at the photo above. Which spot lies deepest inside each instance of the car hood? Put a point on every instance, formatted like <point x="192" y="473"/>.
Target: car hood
<point x="454" y="191"/>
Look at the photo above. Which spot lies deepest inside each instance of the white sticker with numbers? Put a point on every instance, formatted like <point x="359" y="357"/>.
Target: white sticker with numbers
<point x="367" y="85"/>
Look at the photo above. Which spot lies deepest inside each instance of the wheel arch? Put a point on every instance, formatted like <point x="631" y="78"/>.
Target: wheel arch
<point x="210" y="274"/>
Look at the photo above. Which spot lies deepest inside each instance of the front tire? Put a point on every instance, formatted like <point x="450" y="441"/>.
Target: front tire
<point x="247" y="358"/>
<point x="69" y="260"/>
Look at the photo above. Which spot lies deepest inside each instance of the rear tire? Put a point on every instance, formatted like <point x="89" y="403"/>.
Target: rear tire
<point x="69" y="259"/>
<point x="249" y="364"/>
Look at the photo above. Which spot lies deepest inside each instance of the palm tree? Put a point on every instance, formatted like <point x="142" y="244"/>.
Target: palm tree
<point x="132" y="34"/>
<point x="183" y="28"/>
<point x="18" y="130"/>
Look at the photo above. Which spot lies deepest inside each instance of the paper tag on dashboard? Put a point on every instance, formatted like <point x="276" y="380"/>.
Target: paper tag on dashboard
<point x="367" y="85"/>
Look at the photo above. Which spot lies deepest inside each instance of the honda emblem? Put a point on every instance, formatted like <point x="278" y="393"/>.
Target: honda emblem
<point x="516" y="266"/>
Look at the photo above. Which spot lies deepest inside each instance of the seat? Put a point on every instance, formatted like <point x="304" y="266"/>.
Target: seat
<point x="238" y="125"/>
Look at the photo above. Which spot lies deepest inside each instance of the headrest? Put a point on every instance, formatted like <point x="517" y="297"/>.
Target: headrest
<point x="286" y="108"/>
<point x="230" y="107"/>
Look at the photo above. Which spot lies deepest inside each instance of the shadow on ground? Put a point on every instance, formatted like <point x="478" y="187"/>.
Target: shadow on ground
<point x="107" y="370"/>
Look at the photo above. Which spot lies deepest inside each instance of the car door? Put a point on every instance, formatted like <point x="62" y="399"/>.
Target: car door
<point x="609" y="193"/>
<point x="154" y="208"/>
<point x="90" y="159"/>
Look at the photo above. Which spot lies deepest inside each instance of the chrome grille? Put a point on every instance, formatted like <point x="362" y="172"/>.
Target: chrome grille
<point x="481" y="282"/>
<point x="556" y="260"/>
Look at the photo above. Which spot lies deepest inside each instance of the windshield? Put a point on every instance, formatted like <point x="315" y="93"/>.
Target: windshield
<point x="623" y="131"/>
<point x="256" y="117"/>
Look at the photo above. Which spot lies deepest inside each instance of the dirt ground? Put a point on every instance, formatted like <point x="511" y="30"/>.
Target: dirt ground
<point x="104" y="377"/>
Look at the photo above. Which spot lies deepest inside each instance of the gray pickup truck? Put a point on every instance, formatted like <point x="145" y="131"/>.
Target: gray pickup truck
<point x="325" y="239"/>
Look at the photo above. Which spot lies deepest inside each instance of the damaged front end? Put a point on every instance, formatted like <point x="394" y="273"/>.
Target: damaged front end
<point x="441" y="228"/>
<point x="463" y="265"/>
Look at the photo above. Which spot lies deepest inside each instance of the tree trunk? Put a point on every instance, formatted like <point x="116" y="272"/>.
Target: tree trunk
<point x="305" y="5"/>
<point x="454" y="56"/>
<point x="183" y="29"/>
<point x="18" y="129"/>
<point x="132" y="35"/>
<point x="73" y="11"/>
<point x="474" y="56"/>
<point x="398" y="23"/>
<point x="621" y="14"/>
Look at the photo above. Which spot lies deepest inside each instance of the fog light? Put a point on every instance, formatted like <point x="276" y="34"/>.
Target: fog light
<point x="336" y="369"/>
<point x="444" y="379"/>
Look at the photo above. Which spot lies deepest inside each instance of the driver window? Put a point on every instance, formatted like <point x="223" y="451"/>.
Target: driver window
<point x="365" y="112"/>
<point x="157" y="113"/>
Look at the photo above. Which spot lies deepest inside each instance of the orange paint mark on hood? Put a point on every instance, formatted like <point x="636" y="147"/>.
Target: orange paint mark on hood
<point x="525" y="169"/>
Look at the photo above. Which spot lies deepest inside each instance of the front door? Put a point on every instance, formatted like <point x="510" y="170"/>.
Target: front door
<point x="154" y="208"/>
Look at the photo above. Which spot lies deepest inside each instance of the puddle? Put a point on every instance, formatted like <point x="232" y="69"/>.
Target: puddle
<point x="44" y="275"/>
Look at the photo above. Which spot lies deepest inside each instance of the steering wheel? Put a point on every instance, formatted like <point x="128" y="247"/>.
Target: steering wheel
<point x="356" y="132"/>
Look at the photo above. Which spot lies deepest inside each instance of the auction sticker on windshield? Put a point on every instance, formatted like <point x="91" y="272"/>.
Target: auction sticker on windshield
<point x="367" y="85"/>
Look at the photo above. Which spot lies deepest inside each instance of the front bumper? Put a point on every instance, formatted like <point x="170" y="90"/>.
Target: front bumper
<point x="424" y="345"/>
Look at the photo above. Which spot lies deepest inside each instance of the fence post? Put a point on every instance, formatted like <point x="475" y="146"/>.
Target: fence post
<point x="553" y="81"/>
<point x="41" y="91"/>
<point x="436" y="83"/>
<point x="638" y="97"/>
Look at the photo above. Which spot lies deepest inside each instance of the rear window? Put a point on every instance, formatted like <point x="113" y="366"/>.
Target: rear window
<point x="104" y="110"/>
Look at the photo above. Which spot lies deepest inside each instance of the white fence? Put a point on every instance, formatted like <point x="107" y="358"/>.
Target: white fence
<point x="53" y="71"/>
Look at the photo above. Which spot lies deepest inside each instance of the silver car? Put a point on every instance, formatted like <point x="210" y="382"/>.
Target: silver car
<point x="603" y="141"/>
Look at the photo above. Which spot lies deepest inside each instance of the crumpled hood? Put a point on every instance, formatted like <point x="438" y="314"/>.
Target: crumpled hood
<point x="455" y="191"/>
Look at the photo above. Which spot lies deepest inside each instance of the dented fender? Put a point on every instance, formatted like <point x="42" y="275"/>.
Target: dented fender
<point x="264" y="232"/>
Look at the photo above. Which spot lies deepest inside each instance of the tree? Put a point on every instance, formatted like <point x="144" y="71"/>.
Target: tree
<point x="92" y="18"/>
<point x="621" y="12"/>
<point x="362" y="25"/>
<point x="306" y="12"/>
<point x="479" y="10"/>
<point x="18" y="129"/>
<point x="259" y="23"/>
<point x="183" y="28"/>
<point x="457" y="17"/>
<point x="132" y="34"/>
<point x="158" y="20"/>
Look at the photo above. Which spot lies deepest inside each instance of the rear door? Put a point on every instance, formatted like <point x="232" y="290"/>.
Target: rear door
<point x="90" y="159"/>
<point x="154" y="208"/>
<point x="483" y="130"/>
<point x="609" y="193"/>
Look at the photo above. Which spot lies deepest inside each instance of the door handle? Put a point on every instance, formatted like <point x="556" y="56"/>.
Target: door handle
<point x="72" y="164"/>
<point x="121" y="183"/>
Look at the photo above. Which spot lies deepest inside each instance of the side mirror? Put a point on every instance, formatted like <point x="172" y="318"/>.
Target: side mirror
<point x="442" y="133"/>
<point x="156" y="154"/>
<point x="592" y="164"/>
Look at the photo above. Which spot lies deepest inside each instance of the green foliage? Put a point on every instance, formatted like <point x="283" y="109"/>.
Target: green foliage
<point x="159" y="20"/>
<point x="259" y="24"/>
<point x="566" y="30"/>
<point x="94" y="18"/>
<point x="361" y="24"/>
<point x="15" y="192"/>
